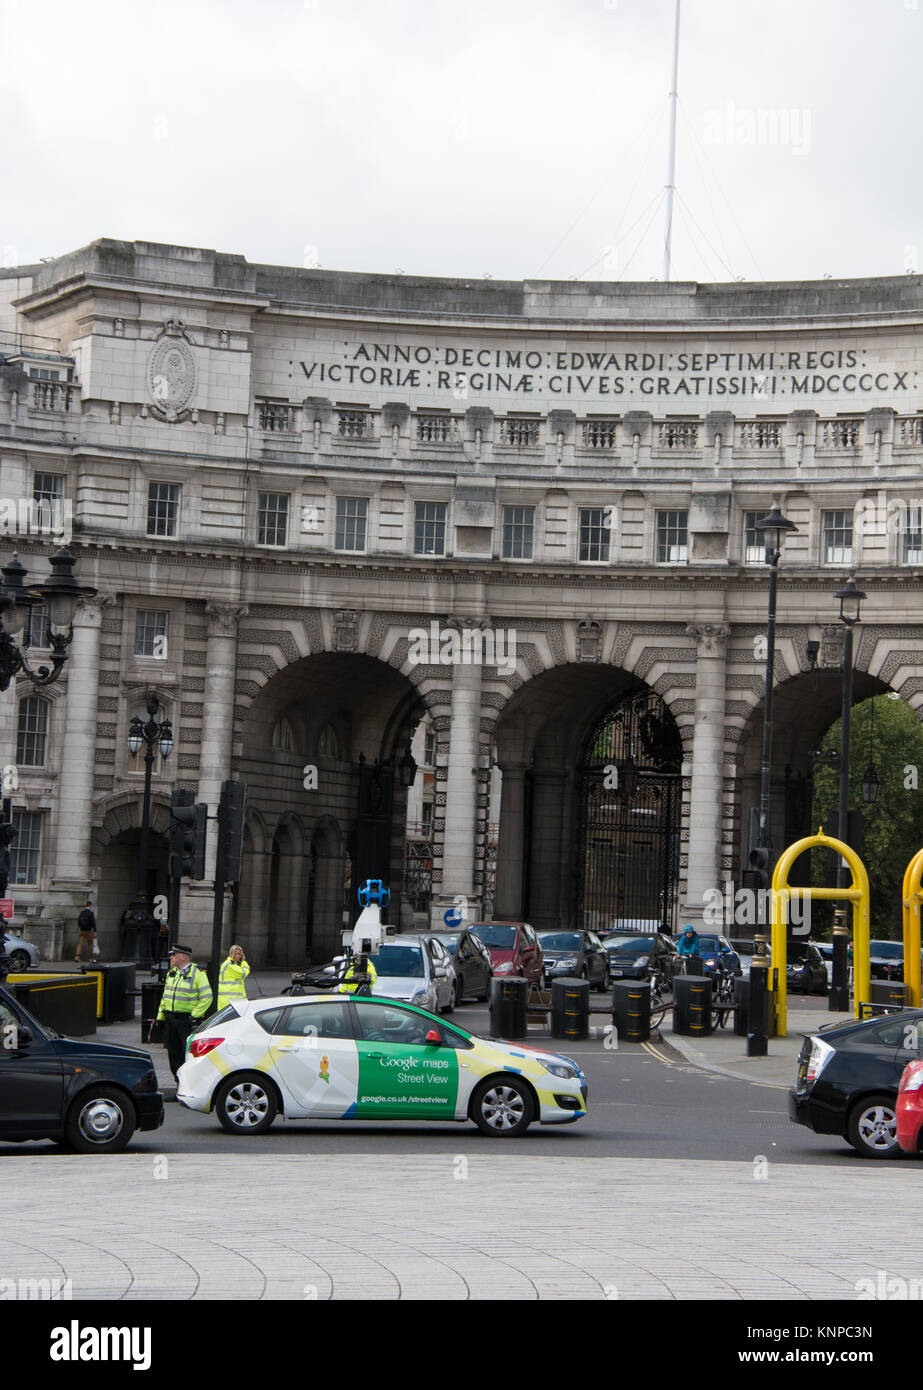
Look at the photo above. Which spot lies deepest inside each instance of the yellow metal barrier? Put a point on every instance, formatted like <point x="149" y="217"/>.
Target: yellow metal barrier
<point x="912" y="895"/>
<point x="781" y="895"/>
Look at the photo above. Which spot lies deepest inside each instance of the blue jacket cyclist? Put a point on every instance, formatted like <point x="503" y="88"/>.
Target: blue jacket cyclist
<point x="186" y="1000"/>
<point x="689" y="941"/>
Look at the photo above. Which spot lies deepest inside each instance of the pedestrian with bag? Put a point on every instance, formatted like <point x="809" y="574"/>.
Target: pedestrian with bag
<point x="232" y="977"/>
<point x="186" y="1000"/>
<point x="86" y="934"/>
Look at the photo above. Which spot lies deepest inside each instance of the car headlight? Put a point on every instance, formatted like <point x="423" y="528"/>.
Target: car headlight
<point x="642" y="960"/>
<point x="567" y="961"/>
<point x="503" y="968"/>
<point x="560" y="1069"/>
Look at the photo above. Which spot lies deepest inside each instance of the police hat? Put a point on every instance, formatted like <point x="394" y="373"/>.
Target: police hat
<point x="174" y="950"/>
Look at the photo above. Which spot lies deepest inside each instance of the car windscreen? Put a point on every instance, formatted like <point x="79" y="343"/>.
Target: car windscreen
<point x="501" y="938"/>
<point x="894" y="949"/>
<point x="629" y="943"/>
<point x="450" y="942"/>
<point x="399" y="961"/>
<point x="561" y="941"/>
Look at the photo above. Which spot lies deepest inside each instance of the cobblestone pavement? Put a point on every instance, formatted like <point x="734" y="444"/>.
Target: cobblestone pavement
<point x="497" y="1226"/>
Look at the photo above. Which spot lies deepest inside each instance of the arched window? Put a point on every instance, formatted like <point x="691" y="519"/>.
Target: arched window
<point x="328" y="745"/>
<point x="32" y="732"/>
<point x="283" y="740"/>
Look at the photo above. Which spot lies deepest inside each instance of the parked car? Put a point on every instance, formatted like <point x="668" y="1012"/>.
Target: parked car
<point x="886" y="960"/>
<point x="848" y="1077"/>
<point x="710" y="947"/>
<point x="471" y="958"/>
<point x="805" y="968"/>
<point x="335" y="1057"/>
<point x="632" y="926"/>
<point x="576" y="954"/>
<point x="417" y="969"/>
<point x="631" y="956"/>
<point x="514" y="948"/>
<point x="21" y="955"/>
<point x="910" y="1108"/>
<point x="90" y="1096"/>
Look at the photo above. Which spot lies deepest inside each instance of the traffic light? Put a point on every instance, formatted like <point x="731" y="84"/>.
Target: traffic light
<point x="231" y="831"/>
<point x="187" y="836"/>
<point x="759" y="866"/>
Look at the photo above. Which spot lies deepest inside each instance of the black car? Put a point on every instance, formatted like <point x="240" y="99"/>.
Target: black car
<point x="471" y="959"/>
<point x="848" y="1077"/>
<point x="805" y="970"/>
<point x="574" y="955"/>
<point x="90" y="1096"/>
<point x="631" y="955"/>
<point x="886" y="960"/>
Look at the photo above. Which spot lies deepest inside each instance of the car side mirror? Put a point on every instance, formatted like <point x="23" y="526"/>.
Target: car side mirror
<point x="25" y="1034"/>
<point x="433" y="1037"/>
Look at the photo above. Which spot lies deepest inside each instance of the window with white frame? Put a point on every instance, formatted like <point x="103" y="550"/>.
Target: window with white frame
<point x="672" y="538"/>
<point x="429" y="528"/>
<point x="352" y="517"/>
<point x="25" y="852"/>
<point x="837" y="537"/>
<point x="754" y="540"/>
<point x="31" y="732"/>
<point x="429" y="748"/>
<point x="518" y="533"/>
<point x="37" y="628"/>
<point x="912" y="536"/>
<point x="162" y="508"/>
<point x="272" y="519"/>
<point x="151" y="633"/>
<point x="595" y="534"/>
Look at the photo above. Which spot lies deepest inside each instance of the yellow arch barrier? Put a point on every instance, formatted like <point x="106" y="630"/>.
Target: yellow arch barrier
<point x="913" y="896"/>
<point x="857" y="894"/>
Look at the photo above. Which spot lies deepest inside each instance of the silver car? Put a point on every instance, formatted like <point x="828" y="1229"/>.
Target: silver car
<point x="417" y="970"/>
<point x="21" y="955"/>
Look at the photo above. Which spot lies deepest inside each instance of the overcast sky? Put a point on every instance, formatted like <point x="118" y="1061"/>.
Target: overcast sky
<point x="518" y="138"/>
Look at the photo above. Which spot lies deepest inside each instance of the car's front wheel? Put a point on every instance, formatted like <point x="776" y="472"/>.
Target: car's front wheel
<point x="101" y="1120"/>
<point x="503" y="1106"/>
<point x="246" y="1104"/>
<point x="872" y="1128"/>
<point x="19" y="962"/>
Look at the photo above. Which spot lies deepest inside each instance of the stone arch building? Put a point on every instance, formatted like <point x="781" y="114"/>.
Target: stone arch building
<point x="319" y="508"/>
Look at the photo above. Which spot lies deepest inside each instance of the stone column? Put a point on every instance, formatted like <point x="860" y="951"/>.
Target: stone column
<point x="706" y="801"/>
<point x="71" y="878"/>
<point x="508" y="890"/>
<point x="214" y="758"/>
<point x="461" y="787"/>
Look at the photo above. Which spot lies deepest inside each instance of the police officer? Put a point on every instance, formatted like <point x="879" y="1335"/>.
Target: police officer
<point x="186" y="1000"/>
<point x="231" y="977"/>
<point x="350" y="984"/>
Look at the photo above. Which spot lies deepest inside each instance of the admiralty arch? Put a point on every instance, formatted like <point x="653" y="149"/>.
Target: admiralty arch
<point x="461" y="578"/>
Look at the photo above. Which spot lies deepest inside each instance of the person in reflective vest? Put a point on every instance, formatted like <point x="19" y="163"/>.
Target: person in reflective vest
<point x="234" y="971"/>
<point x="348" y="984"/>
<point x="186" y="1000"/>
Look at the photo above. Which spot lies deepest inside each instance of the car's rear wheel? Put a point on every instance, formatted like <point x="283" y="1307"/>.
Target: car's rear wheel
<point x="246" y="1104"/>
<point x="101" y="1120"/>
<point x="872" y="1128"/>
<point x="19" y="962"/>
<point x="503" y="1106"/>
<point x="453" y="999"/>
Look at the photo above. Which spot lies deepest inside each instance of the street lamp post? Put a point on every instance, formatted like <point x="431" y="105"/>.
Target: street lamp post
<point x="775" y="527"/>
<point x="850" y="597"/>
<point x="138" y="919"/>
<point x="60" y="592"/>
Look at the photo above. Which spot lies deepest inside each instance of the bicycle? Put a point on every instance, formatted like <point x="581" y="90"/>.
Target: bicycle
<point x="722" y="996"/>
<point x="660" y="986"/>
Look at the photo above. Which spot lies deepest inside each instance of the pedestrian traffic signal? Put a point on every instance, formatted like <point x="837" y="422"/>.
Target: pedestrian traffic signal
<point x="187" y="836"/>
<point x="759" y="865"/>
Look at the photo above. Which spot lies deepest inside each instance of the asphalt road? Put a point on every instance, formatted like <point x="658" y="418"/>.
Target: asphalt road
<point x="645" y="1101"/>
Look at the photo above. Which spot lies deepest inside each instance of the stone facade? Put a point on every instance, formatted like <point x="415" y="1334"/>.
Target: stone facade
<point x="323" y="508"/>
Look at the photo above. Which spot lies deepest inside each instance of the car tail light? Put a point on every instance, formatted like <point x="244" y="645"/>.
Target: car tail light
<point x="912" y="1079"/>
<point x="820" y="1055"/>
<point x="198" y="1047"/>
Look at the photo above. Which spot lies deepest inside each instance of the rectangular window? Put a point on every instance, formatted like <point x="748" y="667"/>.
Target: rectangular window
<point x="912" y="536"/>
<point x="426" y="824"/>
<point x="48" y="502"/>
<point x="31" y="732"/>
<point x="594" y="533"/>
<point x="24" y="853"/>
<point x="351" y="523"/>
<point x="754" y="544"/>
<point x="272" y="519"/>
<point x="518" y="533"/>
<point x="672" y="538"/>
<point x="162" y="508"/>
<point x="37" y="627"/>
<point x="48" y="487"/>
<point x="838" y="538"/>
<point x="150" y="633"/>
<point x="429" y="528"/>
<point x="429" y="749"/>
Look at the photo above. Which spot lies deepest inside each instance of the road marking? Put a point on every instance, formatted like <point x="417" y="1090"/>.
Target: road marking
<point x="659" y="1055"/>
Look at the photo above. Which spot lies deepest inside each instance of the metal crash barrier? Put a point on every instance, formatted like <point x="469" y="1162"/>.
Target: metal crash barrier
<point x="631" y="1010"/>
<point x="692" y="1005"/>
<point x="570" y="1009"/>
<point x="66" y="1003"/>
<point x="115" y="996"/>
<point x="508" y="1008"/>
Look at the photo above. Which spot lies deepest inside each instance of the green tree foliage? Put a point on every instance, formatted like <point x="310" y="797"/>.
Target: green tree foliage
<point x="886" y="734"/>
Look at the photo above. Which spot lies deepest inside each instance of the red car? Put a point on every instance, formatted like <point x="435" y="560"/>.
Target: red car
<point x="910" y="1108"/>
<point x="513" y="947"/>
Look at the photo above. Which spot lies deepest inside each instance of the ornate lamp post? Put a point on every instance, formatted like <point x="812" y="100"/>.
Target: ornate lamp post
<point x="61" y="592"/>
<point x="138" y="919"/>
<point x="850" y="597"/>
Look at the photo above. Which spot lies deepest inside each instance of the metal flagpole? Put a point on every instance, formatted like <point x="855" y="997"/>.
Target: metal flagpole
<point x="671" y="157"/>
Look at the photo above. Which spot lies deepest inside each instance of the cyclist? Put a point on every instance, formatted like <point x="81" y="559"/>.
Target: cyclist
<point x="689" y="941"/>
